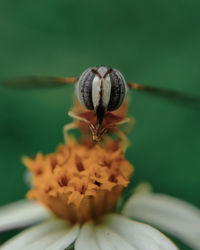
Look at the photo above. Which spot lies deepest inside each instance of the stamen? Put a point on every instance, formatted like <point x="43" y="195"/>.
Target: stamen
<point x="80" y="181"/>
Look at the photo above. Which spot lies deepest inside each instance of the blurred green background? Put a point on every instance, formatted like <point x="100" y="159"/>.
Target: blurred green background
<point x="150" y="41"/>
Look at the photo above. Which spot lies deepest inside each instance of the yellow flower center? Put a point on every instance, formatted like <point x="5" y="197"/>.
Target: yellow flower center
<point x="81" y="181"/>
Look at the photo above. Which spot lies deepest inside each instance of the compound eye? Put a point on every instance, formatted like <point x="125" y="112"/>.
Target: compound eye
<point x="118" y="90"/>
<point x="84" y="88"/>
<point x="101" y="86"/>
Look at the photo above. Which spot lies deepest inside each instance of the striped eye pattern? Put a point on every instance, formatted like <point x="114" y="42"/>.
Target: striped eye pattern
<point x="101" y="87"/>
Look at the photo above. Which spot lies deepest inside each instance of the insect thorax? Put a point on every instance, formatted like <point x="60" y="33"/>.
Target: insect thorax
<point x="101" y="87"/>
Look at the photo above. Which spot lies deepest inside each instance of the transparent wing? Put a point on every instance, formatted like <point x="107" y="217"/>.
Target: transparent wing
<point x="172" y="95"/>
<point x="35" y="82"/>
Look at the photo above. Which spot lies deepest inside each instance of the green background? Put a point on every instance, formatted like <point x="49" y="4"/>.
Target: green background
<point x="150" y="41"/>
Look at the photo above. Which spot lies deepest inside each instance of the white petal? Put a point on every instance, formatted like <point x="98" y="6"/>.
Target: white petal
<point x="35" y="233"/>
<point x="66" y="240"/>
<point x="172" y="215"/>
<point x="139" y="235"/>
<point x="47" y="240"/>
<point x="86" y="239"/>
<point x="20" y="214"/>
<point x="109" y="240"/>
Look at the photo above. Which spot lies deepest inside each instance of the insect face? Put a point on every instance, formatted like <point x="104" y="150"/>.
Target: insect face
<point x="101" y="89"/>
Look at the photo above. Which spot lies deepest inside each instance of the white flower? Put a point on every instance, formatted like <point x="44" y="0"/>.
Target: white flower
<point x="114" y="231"/>
<point x="81" y="185"/>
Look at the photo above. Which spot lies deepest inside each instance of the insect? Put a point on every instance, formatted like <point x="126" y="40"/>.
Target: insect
<point x="100" y="92"/>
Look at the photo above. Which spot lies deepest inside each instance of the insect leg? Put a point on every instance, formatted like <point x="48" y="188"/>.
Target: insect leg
<point x="130" y="121"/>
<point x="124" y="139"/>
<point x="66" y="128"/>
<point x="79" y="118"/>
<point x="75" y="124"/>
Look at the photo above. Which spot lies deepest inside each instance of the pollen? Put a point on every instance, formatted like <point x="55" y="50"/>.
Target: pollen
<point x="80" y="181"/>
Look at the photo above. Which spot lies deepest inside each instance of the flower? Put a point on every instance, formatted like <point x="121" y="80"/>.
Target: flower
<point x="76" y="191"/>
<point x="114" y="231"/>
<point x="81" y="181"/>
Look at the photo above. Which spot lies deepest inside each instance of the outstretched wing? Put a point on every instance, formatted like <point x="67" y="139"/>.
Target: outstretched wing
<point x="35" y="82"/>
<point x="173" y="95"/>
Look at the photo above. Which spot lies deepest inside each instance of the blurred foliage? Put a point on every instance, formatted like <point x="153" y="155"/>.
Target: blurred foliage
<point x="152" y="42"/>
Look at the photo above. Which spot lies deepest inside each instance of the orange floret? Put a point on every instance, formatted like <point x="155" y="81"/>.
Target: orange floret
<point x="80" y="181"/>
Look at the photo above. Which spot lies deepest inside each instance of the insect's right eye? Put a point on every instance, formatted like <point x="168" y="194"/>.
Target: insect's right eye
<point x="84" y="88"/>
